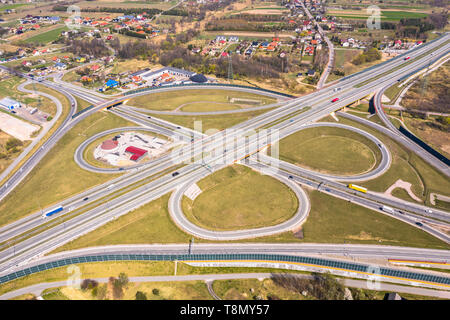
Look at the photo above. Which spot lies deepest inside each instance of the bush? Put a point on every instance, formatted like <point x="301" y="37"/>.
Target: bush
<point x="12" y="143"/>
<point x="141" y="295"/>
<point x="321" y="286"/>
<point x="155" y="292"/>
<point x="88" y="284"/>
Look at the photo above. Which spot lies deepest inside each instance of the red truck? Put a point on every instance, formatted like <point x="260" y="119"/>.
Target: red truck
<point x="335" y="99"/>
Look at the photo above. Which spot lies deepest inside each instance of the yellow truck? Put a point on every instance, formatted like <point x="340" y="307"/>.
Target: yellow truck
<point x="357" y="188"/>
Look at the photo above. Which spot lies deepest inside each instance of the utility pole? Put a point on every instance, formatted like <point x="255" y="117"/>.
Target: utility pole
<point x="230" y="69"/>
<point x="191" y="244"/>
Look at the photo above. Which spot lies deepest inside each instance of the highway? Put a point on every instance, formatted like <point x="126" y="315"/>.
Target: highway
<point x="286" y="118"/>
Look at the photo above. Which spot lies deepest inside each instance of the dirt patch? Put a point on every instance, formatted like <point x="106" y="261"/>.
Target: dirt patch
<point x="402" y="185"/>
<point x="364" y="236"/>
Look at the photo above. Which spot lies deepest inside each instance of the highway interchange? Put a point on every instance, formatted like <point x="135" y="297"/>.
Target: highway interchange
<point x="107" y="202"/>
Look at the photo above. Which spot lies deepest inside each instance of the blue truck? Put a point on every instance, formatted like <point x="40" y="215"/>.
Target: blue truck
<point x="52" y="212"/>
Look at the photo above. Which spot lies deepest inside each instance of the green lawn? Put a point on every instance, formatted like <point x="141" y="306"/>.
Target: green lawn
<point x="46" y="37"/>
<point x="208" y="106"/>
<point x="330" y="150"/>
<point x="167" y="101"/>
<point x="385" y="15"/>
<point x="229" y="200"/>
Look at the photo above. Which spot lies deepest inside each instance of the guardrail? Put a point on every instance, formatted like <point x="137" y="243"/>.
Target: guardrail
<point x="309" y="261"/>
<point x="208" y="85"/>
<point x="421" y="143"/>
<point x="82" y="111"/>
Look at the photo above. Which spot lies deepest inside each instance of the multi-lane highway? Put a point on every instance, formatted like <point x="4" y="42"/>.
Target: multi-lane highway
<point x="294" y="115"/>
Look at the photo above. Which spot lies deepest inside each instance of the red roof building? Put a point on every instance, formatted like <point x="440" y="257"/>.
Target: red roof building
<point x="137" y="153"/>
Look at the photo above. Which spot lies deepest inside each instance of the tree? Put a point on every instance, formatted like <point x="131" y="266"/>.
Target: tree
<point x="123" y="279"/>
<point x="141" y="295"/>
<point x="155" y="292"/>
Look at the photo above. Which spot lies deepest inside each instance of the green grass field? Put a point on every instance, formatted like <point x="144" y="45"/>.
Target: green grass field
<point x="46" y="37"/>
<point x="168" y="101"/>
<point x="208" y="106"/>
<point x="385" y="15"/>
<point x="229" y="201"/>
<point x="330" y="150"/>
<point x="57" y="176"/>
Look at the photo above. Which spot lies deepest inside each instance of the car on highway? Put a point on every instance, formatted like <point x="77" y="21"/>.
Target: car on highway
<point x="335" y="99"/>
<point x="291" y="177"/>
<point x="85" y="199"/>
<point x="149" y="117"/>
<point x="337" y="89"/>
<point x="419" y="224"/>
<point x="407" y="58"/>
<point x="175" y="174"/>
<point x="428" y="211"/>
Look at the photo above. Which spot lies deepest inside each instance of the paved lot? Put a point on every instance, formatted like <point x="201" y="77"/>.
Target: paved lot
<point x="16" y="127"/>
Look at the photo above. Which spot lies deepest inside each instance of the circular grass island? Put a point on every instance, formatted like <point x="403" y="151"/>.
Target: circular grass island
<point x="238" y="198"/>
<point x="330" y="150"/>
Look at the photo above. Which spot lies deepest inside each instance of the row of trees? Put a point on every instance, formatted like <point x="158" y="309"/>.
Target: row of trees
<point x="246" y="25"/>
<point x="126" y="11"/>
<point x="94" y="47"/>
